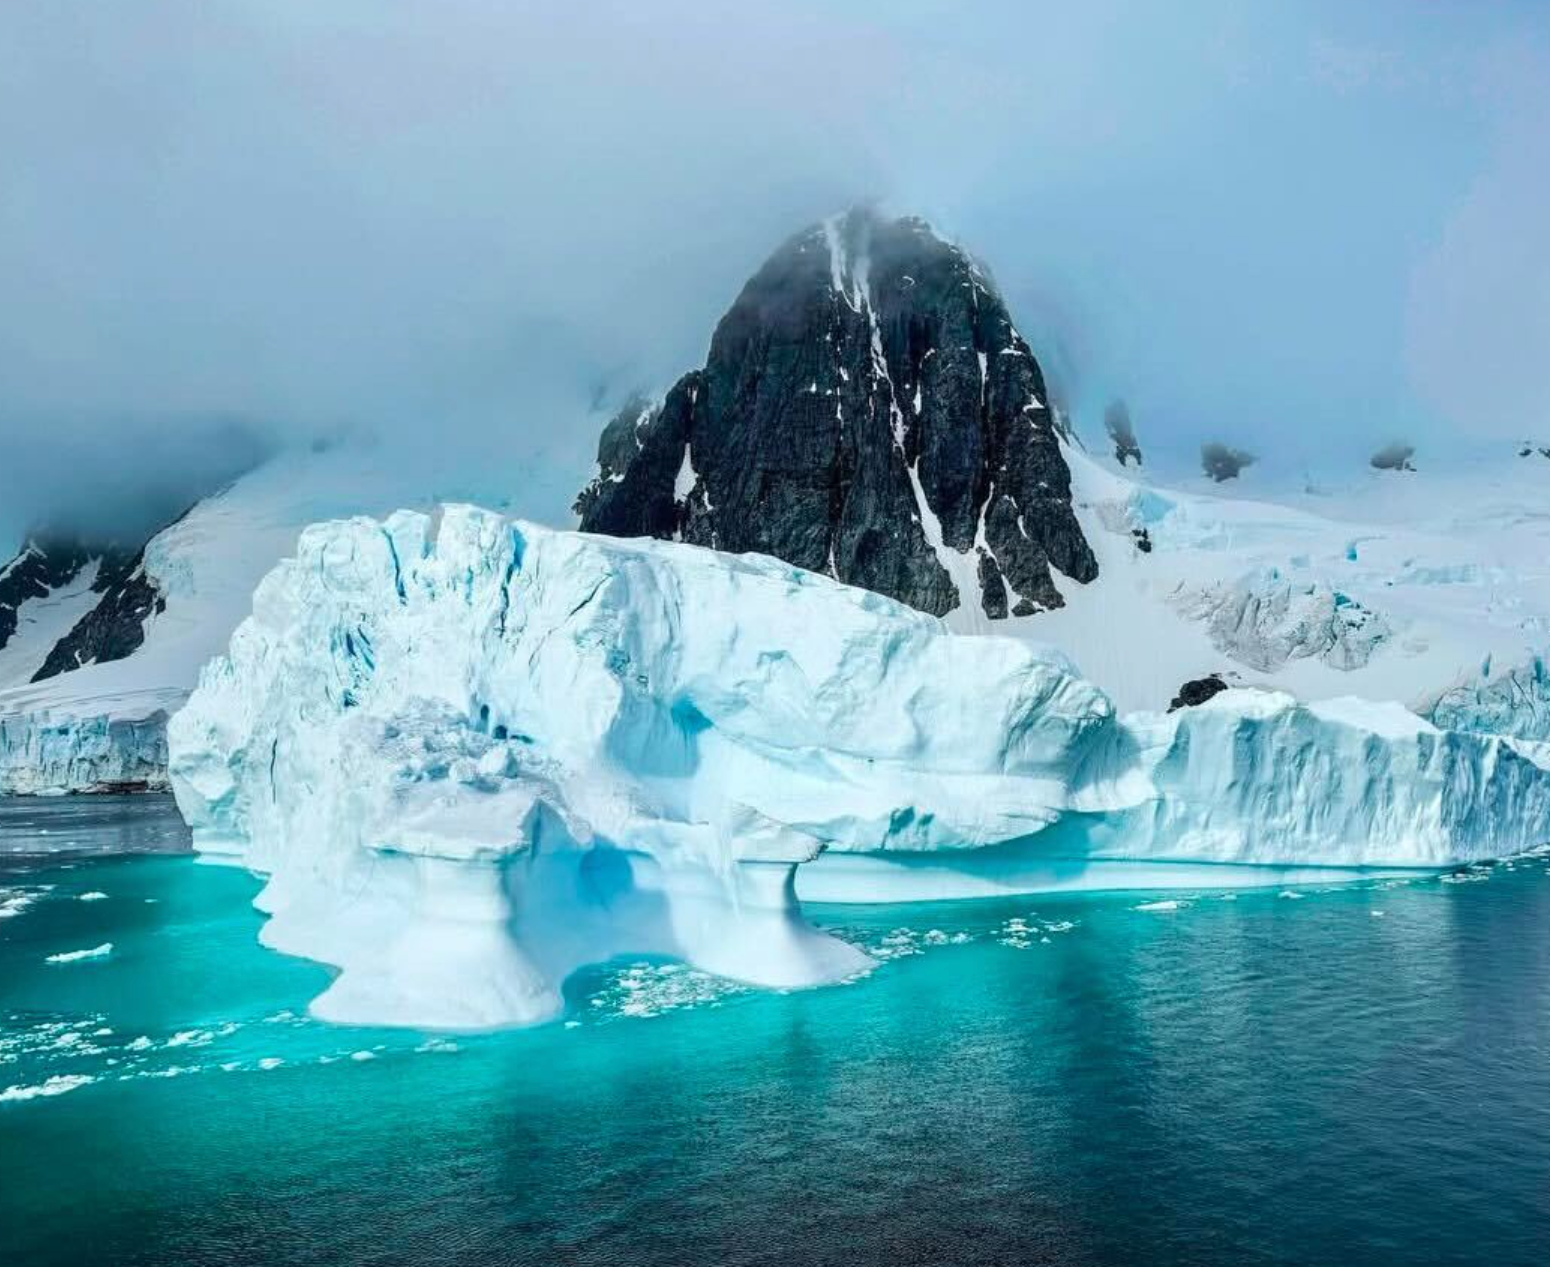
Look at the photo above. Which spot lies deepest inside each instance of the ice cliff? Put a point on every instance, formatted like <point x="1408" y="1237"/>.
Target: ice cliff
<point x="473" y="754"/>
<point x="42" y="754"/>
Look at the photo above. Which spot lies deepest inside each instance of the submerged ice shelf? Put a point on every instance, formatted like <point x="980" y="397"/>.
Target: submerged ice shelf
<point x="474" y="754"/>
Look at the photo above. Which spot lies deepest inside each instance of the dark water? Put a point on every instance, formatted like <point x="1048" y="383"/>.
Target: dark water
<point x="1361" y="1075"/>
<point x="90" y="825"/>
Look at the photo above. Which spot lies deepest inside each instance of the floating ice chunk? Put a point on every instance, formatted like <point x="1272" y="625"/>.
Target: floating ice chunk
<point x="57" y="1085"/>
<point x="72" y="956"/>
<point x="93" y="896"/>
<point x="1166" y="904"/>
<point x="14" y="901"/>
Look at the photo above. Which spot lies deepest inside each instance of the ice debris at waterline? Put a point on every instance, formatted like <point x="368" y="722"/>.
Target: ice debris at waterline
<point x="473" y="755"/>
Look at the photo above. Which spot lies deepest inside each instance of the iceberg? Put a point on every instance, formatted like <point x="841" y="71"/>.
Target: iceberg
<point x="473" y="754"/>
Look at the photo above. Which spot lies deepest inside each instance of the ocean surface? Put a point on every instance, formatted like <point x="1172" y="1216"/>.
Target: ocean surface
<point x="1342" y="1075"/>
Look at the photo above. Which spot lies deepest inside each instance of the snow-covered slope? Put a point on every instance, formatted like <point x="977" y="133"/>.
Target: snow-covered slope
<point x="44" y="616"/>
<point x="1407" y="586"/>
<point x="102" y="726"/>
<point x="474" y="754"/>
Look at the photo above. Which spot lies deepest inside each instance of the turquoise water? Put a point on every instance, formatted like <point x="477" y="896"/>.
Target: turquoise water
<point x="1355" y="1075"/>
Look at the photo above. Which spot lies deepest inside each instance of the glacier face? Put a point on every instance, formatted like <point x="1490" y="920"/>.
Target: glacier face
<point x="474" y="754"/>
<point x="43" y="753"/>
<point x="1513" y="702"/>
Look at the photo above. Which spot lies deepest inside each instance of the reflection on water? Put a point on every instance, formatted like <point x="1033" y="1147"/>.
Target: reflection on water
<point x="141" y="823"/>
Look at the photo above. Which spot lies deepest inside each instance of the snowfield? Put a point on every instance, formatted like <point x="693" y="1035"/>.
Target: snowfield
<point x="1385" y="585"/>
<point x="473" y="754"/>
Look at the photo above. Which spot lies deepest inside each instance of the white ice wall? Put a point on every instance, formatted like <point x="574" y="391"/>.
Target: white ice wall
<point x="473" y="754"/>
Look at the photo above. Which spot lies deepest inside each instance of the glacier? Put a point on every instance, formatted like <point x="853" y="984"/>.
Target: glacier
<point x="472" y="754"/>
<point x="45" y="752"/>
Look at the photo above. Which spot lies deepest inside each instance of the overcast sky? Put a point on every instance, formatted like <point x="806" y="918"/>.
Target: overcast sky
<point x="1304" y="227"/>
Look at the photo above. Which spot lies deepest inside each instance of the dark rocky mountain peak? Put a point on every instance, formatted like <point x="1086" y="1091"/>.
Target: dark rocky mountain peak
<point x="869" y="411"/>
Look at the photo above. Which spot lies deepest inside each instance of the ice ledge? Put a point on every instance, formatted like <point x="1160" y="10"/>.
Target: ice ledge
<point x="472" y="755"/>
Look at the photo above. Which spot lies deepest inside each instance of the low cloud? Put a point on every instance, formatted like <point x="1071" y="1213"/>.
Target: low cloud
<point x="460" y="225"/>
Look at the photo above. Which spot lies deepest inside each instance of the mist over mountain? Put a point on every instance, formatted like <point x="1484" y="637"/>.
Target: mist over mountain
<point x="425" y="225"/>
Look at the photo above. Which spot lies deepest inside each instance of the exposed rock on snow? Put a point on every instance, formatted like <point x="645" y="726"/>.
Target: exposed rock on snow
<point x="49" y="594"/>
<point x="67" y="602"/>
<point x="867" y="411"/>
<point x="1394" y="457"/>
<point x="474" y="755"/>
<point x="1116" y="421"/>
<point x="115" y="628"/>
<point x="1196" y="692"/>
<point x="1221" y="462"/>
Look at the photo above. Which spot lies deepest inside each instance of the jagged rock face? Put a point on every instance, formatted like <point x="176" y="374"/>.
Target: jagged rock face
<point x="867" y="411"/>
<point x="46" y="562"/>
<point x="112" y="629"/>
<point x="115" y="627"/>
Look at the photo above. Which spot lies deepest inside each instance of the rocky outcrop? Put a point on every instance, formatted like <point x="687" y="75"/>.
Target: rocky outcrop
<point x="1116" y="421"/>
<point x="46" y="562"/>
<point x="112" y="626"/>
<point x="1222" y="462"/>
<point x="1394" y="457"/>
<point x="867" y="411"/>
<point x="1196" y="692"/>
<point x="115" y="627"/>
